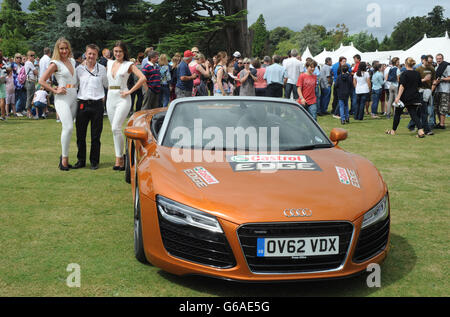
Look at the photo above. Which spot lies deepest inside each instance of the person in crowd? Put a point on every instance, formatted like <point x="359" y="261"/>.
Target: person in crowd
<point x="276" y="77"/>
<point x="44" y="61"/>
<point x="267" y="61"/>
<point x="442" y="88"/>
<point x="185" y="79"/>
<point x="408" y="94"/>
<point x="10" y="92"/>
<point x="202" y="68"/>
<point x="238" y="66"/>
<point x="377" y="88"/>
<point x="428" y="75"/>
<point x="78" y="57"/>
<point x="392" y="76"/>
<point x="325" y="82"/>
<point x="337" y="70"/>
<point x="164" y="97"/>
<point x="138" y="96"/>
<point x="118" y="102"/>
<point x="317" y="73"/>
<point x="293" y="68"/>
<point x="362" y="84"/>
<point x="307" y="83"/>
<point x="260" y="83"/>
<point x="221" y="87"/>
<point x="175" y="61"/>
<point x="344" y="87"/>
<point x="247" y="77"/>
<point x="354" y="70"/>
<point x="106" y="56"/>
<point x="32" y="75"/>
<point x="43" y="65"/>
<point x="40" y="102"/>
<point x="92" y="81"/>
<point x="62" y="66"/>
<point x="21" y="93"/>
<point x="146" y="53"/>
<point x="3" y="75"/>
<point x="152" y="74"/>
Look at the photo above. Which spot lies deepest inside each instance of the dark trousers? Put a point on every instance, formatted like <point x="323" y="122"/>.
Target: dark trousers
<point x="274" y="90"/>
<point x="423" y="114"/>
<point x="413" y="112"/>
<point x="89" y="111"/>
<point x="358" y="109"/>
<point x="334" y="107"/>
<point x="291" y="88"/>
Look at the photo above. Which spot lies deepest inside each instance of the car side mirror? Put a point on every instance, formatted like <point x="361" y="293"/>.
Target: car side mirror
<point x="338" y="135"/>
<point x="137" y="133"/>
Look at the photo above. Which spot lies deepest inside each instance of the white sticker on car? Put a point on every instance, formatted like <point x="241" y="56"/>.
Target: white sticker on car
<point x="348" y="176"/>
<point x="206" y="176"/>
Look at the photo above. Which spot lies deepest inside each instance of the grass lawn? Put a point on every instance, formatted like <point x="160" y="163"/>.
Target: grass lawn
<point x="49" y="219"/>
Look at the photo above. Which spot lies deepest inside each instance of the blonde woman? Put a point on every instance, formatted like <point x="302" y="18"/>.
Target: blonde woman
<point x="166" y="79"/>
<point x="221" y="87"/>
<point x="118" y="102"/>
<point x="62" y="66"/>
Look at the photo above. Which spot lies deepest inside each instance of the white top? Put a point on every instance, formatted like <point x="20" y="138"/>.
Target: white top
<point x="92" y="83"/>
<point x="121" y="76"/>
<point x="362" y="87"/>
<point x="63" y="75"/>
<point x="41" y="96"/>
<point x="29" y="70"/>
<point x="294" y="68"/>
<point x="43" y="65"/>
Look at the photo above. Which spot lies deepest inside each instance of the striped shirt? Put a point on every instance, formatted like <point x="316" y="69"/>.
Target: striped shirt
<point x="153" y="75"/>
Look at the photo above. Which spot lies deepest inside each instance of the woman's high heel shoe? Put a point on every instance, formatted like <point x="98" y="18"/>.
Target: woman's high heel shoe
<point x="61" y="166"/>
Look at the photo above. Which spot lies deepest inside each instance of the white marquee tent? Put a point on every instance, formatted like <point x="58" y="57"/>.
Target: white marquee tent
<point x="306" y="54"/>
<point x="428" y="46"/>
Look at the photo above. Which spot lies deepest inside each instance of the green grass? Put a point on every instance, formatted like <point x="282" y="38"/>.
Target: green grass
<point x="49" y="219"/>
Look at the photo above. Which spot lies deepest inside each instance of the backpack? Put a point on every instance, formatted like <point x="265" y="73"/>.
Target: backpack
<point x="22" y="76"/>
<point x="392" y="76"/>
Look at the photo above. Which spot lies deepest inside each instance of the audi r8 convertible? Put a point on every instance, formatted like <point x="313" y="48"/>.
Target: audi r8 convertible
<point x="251" y="189"/>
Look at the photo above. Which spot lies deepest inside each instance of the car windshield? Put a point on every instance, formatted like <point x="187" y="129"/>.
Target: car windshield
<point x="250" y="125"/>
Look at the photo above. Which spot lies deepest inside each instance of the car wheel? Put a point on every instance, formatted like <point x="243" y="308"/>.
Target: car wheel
<point x="138" y="239"/>
<point x="127" y="165"/>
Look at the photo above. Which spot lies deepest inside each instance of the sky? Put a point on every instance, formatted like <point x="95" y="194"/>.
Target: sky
<point x="295" y="14"/>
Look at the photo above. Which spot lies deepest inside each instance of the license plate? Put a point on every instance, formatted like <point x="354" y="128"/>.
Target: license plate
<point x="293" y="247"/>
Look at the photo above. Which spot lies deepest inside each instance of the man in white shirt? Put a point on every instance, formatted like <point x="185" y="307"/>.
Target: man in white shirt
<point x="45" y="61"/>
<point x="92" y="81"/>
<point x="294" y="68"/>
<point x="30" y="84"/>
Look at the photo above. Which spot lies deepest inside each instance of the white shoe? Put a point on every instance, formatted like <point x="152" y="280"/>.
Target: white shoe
<point x="19" y="114"/>
<point x="58" y="121"/>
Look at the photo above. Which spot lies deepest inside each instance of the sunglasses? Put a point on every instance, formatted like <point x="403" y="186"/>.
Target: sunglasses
<point x="246" y="63"/>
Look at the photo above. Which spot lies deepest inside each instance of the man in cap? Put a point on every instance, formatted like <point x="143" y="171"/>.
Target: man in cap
<point x="185" y="79"/>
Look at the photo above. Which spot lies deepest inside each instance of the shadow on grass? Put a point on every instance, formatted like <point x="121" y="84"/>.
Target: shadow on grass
<point x="399" y="263"/>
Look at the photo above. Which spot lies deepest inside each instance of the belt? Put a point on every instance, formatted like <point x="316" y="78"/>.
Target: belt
<point x="91" y="102"/>
<point x="69" y="86"/>
<point x="115" y="87"/>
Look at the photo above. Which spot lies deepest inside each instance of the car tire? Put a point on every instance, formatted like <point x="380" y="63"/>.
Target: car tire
<point x="138" y="239"/>
<point x="127" y="164"/>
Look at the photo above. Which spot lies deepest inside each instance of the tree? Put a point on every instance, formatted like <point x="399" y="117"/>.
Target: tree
<point x="12" y="30"/>
<point x="237" y="33"/>
<point x="260" y="37"/>
<point x="335" y="37"/>
<point x="363" y="41"/>
<point x="278" y="35"/>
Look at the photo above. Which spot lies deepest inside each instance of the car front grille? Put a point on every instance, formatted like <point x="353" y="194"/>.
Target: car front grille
<point x="196" y="245"/>
<point x="372" y="240"/>
<point x="248" y="235"/>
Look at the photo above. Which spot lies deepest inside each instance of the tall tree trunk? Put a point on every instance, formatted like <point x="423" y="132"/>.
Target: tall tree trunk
<point x="237" y="35"/>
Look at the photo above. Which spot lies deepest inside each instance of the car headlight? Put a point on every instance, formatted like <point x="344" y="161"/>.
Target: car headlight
<point x="377" y="213"/>
<point x="185" y="215"/>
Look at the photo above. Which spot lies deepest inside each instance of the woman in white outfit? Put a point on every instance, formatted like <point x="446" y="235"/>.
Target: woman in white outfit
<point x="62" y="66"/>
<point x="118" y="103"/>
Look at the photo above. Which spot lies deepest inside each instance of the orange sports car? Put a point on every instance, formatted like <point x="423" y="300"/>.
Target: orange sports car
<point x="251" y="189"/>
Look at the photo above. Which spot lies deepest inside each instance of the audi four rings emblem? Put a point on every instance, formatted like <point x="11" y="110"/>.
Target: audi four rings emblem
<point x="300" y="212"/>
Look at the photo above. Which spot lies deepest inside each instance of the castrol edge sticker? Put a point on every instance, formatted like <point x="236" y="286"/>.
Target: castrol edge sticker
<point x="265" y="163"/>
<point x="347" y="176"/>
<point x="201" y="177"/>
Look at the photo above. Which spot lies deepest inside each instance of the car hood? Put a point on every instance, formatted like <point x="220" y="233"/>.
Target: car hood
<point x="332" y="184"/>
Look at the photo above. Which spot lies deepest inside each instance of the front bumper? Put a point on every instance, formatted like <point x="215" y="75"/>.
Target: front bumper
<point x="232" y="258"/>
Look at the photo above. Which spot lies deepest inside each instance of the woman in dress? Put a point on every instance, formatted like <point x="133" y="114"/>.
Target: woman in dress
<point x="118" y="102"/>
<point x="62" y="66"/>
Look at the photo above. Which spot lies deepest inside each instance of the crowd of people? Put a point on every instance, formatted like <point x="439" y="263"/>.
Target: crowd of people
<point x="86" y="86"/>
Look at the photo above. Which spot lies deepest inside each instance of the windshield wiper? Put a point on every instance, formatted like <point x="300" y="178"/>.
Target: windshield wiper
<point x="308" y="147"/>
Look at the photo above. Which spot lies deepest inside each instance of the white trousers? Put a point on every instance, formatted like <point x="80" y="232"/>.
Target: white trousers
<point x="66" y="107"/>
<point x="118" y="109"/>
